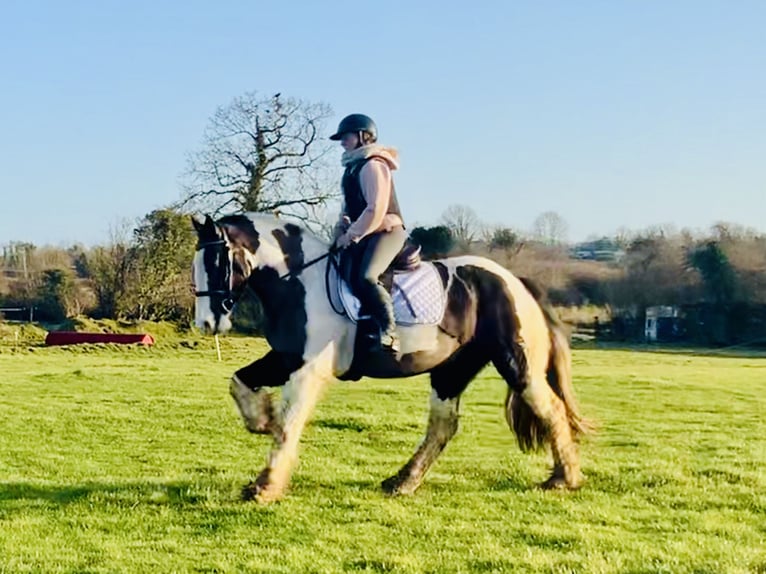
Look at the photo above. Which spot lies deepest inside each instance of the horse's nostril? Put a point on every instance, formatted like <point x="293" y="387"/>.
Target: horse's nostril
<point x="228" y="305"/>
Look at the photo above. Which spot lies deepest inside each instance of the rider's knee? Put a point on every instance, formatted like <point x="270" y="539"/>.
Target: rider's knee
<point x="368" y="280"/>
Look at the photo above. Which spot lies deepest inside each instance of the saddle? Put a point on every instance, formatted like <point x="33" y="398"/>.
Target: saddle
<point x="408" y="259"/>
<point x="416" y="288"/>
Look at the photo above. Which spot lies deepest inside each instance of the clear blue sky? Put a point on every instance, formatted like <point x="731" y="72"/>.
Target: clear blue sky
<point x="612" y="113"/>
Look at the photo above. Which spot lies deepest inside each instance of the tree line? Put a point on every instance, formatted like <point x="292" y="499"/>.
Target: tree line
<point x="271" y="154"/>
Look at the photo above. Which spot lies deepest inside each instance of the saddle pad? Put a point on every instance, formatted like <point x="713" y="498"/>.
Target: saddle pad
<point x="419" y="297"/>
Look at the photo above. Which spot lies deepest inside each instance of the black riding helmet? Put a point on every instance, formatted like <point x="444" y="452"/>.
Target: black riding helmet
<point x="356" y="123"/>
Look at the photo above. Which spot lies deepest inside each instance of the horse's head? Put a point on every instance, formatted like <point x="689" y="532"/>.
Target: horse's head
<point x="229" y="252"/>
<point x="212" y="273"/>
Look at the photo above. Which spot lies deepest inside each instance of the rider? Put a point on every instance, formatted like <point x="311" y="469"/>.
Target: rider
<point x="371" y="223"/>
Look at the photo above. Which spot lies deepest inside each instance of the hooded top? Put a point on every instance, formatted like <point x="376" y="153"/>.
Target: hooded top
<point x="368" y="169"/>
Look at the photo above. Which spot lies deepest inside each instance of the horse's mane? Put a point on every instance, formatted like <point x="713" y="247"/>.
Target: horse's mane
<point x="265" y="223"/>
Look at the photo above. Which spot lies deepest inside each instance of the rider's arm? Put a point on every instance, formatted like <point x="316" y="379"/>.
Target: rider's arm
<point x="375" y="179"/>
<point x="341" y="226"/>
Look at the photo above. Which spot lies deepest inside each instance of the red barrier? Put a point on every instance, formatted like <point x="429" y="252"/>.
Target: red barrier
<point x="75" y="338"/>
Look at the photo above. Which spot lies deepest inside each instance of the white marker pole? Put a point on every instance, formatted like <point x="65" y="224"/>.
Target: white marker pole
<point x="218" y="348"/>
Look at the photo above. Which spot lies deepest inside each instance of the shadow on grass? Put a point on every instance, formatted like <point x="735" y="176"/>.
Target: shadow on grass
<point x="343" y="424"/>
<point x="734" y="351"/>
<point x="511" y="483"/>
<point x="172" y="493"/>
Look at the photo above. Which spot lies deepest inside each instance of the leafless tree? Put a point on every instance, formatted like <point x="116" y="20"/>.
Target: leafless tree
<point x="463" y="222"/>
<point x="262" y="154"/>
<point x="550" y="228"/>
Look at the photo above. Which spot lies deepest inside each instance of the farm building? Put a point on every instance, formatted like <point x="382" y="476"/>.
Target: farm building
<point x="663" y="323"/>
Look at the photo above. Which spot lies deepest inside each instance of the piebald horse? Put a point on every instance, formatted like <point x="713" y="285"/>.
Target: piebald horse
<point x="491" y="316"/>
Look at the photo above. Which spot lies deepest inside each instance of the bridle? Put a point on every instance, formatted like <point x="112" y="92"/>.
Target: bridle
<point x="227" y="296"/>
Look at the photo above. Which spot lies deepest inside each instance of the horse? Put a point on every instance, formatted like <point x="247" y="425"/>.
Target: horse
<point x="490" y="316"/>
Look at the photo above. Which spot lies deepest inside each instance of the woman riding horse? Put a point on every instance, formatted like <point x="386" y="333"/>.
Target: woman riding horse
<point x="371" y="225"/>
<point x="489" y="317"/>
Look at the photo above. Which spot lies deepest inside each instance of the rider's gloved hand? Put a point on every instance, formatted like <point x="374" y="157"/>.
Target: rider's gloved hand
<point x="342" y="242"/>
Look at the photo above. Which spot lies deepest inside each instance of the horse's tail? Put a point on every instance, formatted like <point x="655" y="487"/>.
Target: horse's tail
<point x="529" y="429"/>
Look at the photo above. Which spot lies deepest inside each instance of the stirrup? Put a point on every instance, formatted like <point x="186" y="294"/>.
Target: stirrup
<point x="389" y="343"/>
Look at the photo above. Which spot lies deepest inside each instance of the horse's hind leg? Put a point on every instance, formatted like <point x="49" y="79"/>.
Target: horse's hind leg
<point x="448" y="382"/>
<point x="537" y="415"/>
<point x="550" y="409"/>
<point x="442" y="426"/>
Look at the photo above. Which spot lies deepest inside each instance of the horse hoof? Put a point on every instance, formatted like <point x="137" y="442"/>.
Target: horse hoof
<point x="390" y="485"/>
<point x="262" y="494"/>
<point x="559" y="483"/>
<point x="260" y="426"/>
<point x="395" y="486"/>
<point x="250" y="492"/>
<point x="255" y="407"/>
<point x="262" y="490"/>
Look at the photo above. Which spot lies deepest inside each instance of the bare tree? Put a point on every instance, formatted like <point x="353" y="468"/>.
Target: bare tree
<point x="325" y="218"/>
<point x="262" y="154"/>
<point x="463" y="223"/>
<point x="550" y="228"/>
<point x="623" y="237"/>
<point x="655" y="273"/>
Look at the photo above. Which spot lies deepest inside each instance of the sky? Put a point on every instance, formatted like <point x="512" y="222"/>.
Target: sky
<point x="614" y="114"/>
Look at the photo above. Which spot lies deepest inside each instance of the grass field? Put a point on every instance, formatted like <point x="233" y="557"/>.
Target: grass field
<point x="131" y="460"/>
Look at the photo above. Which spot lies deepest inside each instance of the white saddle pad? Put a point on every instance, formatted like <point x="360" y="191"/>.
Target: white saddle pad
<point x="419" y="297"/>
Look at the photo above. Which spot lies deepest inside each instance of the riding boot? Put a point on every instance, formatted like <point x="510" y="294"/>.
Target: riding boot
<point x="388" y="339"/>
<point x="378" y="303"/>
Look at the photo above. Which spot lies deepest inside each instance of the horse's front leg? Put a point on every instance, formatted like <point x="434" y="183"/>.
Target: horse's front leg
<point x="249" y="387"/>
<point x="299" y="397"/>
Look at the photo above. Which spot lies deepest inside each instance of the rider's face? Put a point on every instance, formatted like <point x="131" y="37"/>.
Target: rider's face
<point x="349" y="141"/>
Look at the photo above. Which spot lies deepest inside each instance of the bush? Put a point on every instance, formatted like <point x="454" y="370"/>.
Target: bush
<point x="56" y="294"/>
<point x="435" y="242"/>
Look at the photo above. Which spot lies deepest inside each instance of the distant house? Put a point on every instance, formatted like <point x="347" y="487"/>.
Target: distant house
<point x="700" y="323"/>
<point x="600" y="250"/>
<point x="663" y="324"/>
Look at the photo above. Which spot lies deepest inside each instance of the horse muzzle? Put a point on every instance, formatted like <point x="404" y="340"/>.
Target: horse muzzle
<point x="215" y="327"/>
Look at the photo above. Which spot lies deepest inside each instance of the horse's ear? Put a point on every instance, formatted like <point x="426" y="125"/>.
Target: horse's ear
<point x="203" y="227"/>
<point x="198" y="225"/>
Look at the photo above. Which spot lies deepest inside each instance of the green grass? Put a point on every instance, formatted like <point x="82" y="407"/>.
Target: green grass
<point x="131" y="460"/>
